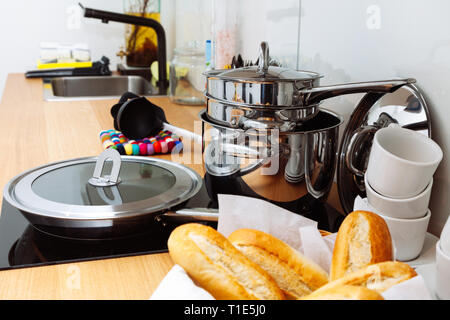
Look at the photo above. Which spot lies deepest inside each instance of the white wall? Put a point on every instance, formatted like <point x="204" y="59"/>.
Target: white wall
<point x="351" y="40"/>
<point x="192" y="21"/>
<point x="256" y="21"/>
<point x="276" y="22"/>
<point x="26" y="23"/>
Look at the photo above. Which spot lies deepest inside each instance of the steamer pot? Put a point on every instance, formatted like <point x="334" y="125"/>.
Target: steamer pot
<point x="279" y="96"/>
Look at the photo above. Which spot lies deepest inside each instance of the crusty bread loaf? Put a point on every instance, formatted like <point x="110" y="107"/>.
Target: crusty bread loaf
<point x="294" y="273"/>
<point x="218" y="267"/>
<point x="363" y="239"/>
<point x="379" y="277"/>
<point x="344" y="292"/>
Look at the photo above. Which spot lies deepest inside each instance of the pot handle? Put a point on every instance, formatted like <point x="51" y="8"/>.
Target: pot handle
<point x="309" y="183"/>
<point x="222" y="168"/>
<point x="360" y="135"/>
<point x="317" y="94"/>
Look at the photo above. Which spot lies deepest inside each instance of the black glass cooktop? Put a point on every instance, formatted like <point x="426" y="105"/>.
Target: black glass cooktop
<point x="21" y="245"/>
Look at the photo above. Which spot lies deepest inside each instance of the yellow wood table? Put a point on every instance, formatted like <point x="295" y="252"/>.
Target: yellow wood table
<point x="34" y="132"/>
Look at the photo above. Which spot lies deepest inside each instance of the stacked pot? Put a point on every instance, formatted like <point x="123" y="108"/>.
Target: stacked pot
<point x="269" y="131"/>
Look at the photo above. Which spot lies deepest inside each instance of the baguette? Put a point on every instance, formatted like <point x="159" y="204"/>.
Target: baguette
<point x="217" y="266"/>
<point x="363" y="239"/>
<point x="379" y="277"/>
<point x="294" y="273"/>
<point x="344" y="292"/>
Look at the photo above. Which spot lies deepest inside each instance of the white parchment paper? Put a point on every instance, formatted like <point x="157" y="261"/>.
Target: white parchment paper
<point x="236" y="212"/>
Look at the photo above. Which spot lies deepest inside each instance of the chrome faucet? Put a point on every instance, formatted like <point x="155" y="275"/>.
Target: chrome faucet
<point x="107" y="16"/>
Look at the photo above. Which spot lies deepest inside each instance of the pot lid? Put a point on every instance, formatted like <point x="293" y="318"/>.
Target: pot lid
<point x="75" y="189"/>
<point x="267" y="70"/>
<point x="406" y="107"/>
<point x="272" y="74"/>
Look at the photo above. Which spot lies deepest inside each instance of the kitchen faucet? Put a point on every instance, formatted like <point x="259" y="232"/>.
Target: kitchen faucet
<point x="107" y="16"/>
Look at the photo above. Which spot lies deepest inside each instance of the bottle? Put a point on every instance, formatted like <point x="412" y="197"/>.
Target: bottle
<point x="141" y="42"/>
<point x="187" y="81"/>
<point x="209" y="54"/>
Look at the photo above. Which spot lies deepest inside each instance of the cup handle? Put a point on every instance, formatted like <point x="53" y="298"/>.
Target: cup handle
<point x="360" y="135"/>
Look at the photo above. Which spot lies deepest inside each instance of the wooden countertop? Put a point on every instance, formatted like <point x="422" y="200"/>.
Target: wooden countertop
<point x="35" y="132"/>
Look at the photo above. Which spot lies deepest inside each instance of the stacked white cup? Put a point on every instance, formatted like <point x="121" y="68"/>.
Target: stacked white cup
<point x="398" y="180"/>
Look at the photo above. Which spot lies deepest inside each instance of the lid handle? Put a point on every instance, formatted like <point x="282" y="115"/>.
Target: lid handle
<point x="113" y="179"/>
<point x="264" y="58"/>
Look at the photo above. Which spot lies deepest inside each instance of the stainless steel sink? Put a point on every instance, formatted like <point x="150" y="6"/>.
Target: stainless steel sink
<point x="96" y="87"/>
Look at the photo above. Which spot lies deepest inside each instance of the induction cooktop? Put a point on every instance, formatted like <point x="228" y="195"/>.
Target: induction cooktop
<point x="22" y="245"/>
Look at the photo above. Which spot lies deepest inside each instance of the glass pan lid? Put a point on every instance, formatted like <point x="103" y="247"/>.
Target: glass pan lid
<point x="139" y="181"/>
<point x="63" y="190"/>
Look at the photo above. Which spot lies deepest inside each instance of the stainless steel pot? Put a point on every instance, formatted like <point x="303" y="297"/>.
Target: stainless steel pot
<point x="275" y="93"/>
<point x="277" y="166"/>
<point x="245" y="117"/>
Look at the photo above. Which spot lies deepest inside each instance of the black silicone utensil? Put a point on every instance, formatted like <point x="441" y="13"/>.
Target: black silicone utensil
<point x="136" y="117"/>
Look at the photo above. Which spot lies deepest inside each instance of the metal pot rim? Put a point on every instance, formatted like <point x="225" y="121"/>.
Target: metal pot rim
<point x="205" y="118"/>
<point x="270" y="107"/>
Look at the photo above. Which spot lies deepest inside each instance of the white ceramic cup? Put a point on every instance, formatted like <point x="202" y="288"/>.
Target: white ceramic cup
<point x="442" y="273"/>
<point x="402" y="162"/>
<point x="408" y="235"/>
<point x="408" y="208"/>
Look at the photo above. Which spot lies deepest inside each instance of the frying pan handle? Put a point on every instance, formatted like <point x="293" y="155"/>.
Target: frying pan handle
<point x="192" y="214"/>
